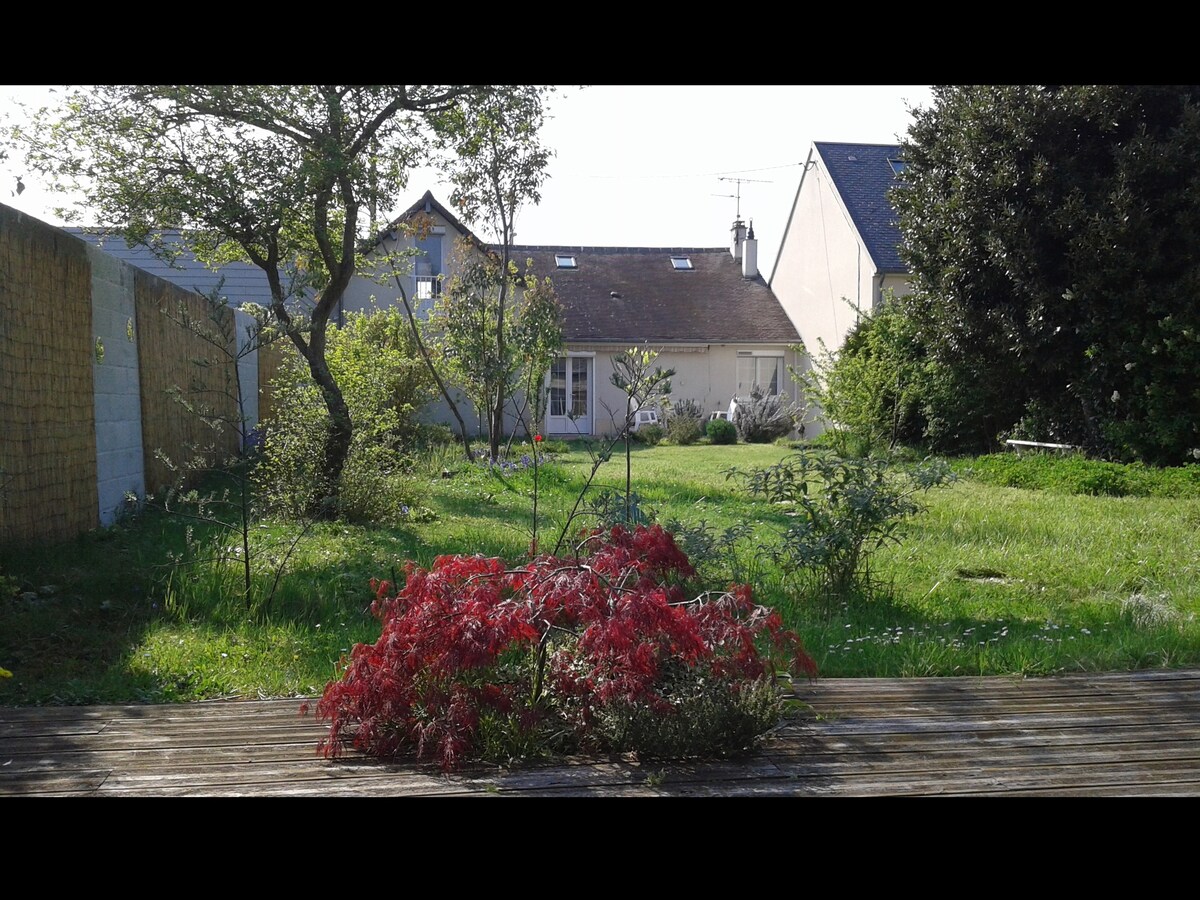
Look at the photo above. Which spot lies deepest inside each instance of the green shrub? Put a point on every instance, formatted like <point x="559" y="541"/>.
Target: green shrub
<point x="1075" y="473"/>
<point x="841" y="510"/>
<point x="844" y="442"/>
<point x="685" y="422"/>
<point x="763" y="417"/>
<point x="434" y="435"/>
<point x="870" y="391"/>
<point x="721" y="431"/>
<point x="650" y="435"/>
<point x="707" y="720"/>
<point x="384" y="382"/>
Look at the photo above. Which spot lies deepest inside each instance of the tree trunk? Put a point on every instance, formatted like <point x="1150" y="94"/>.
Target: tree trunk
<point x="340" y="431"/>
<point x="496" y="425"/>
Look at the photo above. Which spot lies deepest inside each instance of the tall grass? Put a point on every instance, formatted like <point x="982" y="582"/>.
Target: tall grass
<point x="988" y="579"/>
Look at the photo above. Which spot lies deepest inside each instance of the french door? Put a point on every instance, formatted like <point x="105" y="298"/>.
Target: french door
<point x="570" y="394"/>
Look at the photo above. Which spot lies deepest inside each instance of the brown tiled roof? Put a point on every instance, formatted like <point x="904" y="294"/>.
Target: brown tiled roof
<point x="710" y="303"/>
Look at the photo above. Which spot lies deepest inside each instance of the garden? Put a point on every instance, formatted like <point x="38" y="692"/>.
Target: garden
<point x="975" y="566"/>
<point x="428" y="594"/>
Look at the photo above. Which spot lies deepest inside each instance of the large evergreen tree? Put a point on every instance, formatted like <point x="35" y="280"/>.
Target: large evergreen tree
<point x="1053" y="233"/>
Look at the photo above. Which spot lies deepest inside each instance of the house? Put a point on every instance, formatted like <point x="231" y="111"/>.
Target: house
<point x="840" y="249"/>
<point x="707" y="311"/>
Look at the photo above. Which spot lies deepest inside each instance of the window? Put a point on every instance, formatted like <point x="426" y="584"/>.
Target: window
<point x="579" y="385"/>
<point x="681" y="262"/>
<point x="427" y="287"/>
<point x="897" y="166"/>
<point x="765" y="371"/>
<point x="427" y="266"/>
<point x="558" y="386"/>
<point x="429" y="259"/>
<point x="565" y="261"/>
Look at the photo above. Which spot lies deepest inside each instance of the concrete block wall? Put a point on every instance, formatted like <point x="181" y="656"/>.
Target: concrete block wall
<point x="118" y="410"/>
<point x="69" y="377"/>
<point x="247" y="369"/>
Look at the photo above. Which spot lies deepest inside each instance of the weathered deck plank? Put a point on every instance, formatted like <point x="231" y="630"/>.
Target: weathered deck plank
<point x="1115" y="734"/>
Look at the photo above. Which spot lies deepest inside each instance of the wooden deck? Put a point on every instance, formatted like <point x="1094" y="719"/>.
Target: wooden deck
<point x="1133" y="734"/>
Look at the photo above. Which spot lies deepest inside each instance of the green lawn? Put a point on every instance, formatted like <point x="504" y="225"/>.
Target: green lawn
<point x="988" y="579"/>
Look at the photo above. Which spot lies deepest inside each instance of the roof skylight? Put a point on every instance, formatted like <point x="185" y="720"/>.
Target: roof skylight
<point x="565" y="261"/>
<point x="681" y="262"/>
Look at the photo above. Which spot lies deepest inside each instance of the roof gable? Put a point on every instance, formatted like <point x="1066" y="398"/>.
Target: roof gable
<point x="863" y="175"/>
<point x="426" y="205"/>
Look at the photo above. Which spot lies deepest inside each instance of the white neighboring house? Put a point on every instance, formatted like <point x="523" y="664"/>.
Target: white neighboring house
<point x="708" y="311"/>
<point x="841" y="243"/>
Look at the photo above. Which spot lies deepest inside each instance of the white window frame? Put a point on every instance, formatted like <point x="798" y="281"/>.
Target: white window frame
<point x="753" y="358"/>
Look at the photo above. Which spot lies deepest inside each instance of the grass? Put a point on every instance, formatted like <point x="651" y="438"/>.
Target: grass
<point x="989" y="579"/>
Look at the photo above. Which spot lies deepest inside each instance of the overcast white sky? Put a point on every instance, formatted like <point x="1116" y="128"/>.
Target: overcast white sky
<point x="652" y="165"/>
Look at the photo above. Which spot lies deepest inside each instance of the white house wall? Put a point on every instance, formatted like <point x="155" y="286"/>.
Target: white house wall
<point x="822" y="264"/>
<point x="706" y="373"/>
<point x="898" y="285"/>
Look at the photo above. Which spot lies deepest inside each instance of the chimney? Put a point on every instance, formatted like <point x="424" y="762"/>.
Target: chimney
<point x="738" y="236"/>
<point x="750" y="254"/>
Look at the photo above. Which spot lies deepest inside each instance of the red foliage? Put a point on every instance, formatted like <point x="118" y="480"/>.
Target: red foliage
<point x="470" y="638"/>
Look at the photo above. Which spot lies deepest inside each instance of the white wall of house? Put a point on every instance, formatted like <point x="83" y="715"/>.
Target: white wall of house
<point x="706" y="373"/>
<point x="822" y="264"/>
<point x="824" y="276"/>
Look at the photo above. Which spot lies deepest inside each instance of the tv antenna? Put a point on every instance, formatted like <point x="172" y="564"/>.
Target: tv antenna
<point x="738" y="195"/>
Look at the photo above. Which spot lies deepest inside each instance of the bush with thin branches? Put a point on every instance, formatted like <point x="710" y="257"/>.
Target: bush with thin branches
<point x="764" y="417"/>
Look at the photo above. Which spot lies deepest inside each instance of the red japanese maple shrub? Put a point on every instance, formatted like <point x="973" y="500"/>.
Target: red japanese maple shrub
<point x="602" y="651"/>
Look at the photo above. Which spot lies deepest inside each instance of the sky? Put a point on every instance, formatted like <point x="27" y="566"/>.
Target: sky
<point x="653" y="165"/>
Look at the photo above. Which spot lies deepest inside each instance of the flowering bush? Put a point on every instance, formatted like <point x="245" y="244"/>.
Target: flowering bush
<point x="601" y="652"/>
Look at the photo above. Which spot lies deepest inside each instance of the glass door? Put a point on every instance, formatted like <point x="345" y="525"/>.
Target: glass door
<point x="570" y="388"/>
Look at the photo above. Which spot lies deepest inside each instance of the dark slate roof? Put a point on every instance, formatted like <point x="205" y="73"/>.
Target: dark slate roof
<point x="863" y="176"/>
<point x="711" y="303"/>
<point x="244" y="283"/>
